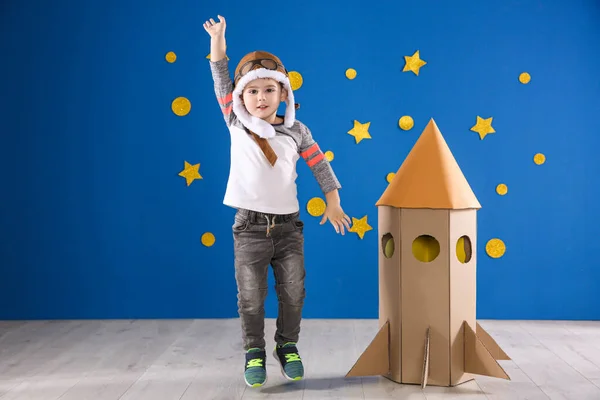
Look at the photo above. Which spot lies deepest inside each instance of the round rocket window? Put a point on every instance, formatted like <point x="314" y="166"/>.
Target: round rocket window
<point x="387" y="245"/>
<point x="464" y="250"/>
<point x="425" y="248"/>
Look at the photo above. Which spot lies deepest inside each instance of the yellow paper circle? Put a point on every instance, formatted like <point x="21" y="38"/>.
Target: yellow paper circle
<point x="350" y="73"/>
<point x="171" y="57"/>
<point x="208" y="239"/>
<point x="181" y="106"/>
<point x="390" y="176"/>
<point x="495" y="248"/>
<point x="295" y="80"/>
<point x="524" y="78"/>
<point x="329" y="155"/>
<point x="539" y="159"/>
<point x="406" y="122"/>
<point x="502" y="189"/>
<point x="316" y="206"/>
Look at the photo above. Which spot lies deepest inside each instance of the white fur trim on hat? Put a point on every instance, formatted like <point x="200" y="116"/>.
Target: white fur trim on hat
<point x="257" y="125"/>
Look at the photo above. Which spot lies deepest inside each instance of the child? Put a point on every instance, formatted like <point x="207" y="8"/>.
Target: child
<point x="261" y="186"/>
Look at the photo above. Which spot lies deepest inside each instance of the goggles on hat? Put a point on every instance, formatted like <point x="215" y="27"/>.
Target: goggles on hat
<point x="267" y="63"/>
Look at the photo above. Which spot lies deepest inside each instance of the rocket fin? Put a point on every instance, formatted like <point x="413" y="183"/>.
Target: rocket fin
<point x="478" y="359"/>
<point x="425" y="374"/>
<point x="375" y="360"/>
<point x="490" y="344"/>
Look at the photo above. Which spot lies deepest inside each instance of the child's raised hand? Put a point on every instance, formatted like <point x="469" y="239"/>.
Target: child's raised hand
<point x="215" y="29"/>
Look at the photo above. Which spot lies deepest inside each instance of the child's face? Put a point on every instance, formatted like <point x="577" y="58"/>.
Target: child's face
<point x="262" y="98"/>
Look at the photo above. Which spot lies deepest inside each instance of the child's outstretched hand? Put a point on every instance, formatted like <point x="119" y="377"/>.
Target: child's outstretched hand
<point x="215" y="29"/>
<point x="337" y="217"/>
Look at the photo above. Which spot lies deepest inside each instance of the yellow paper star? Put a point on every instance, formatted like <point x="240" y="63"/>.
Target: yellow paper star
<point x="190" y="172"/>
<point x="483" y="127"/>
<point x="413" y="63"/>
<point x="360" y="226"/>
<point x="360" y="131"/>
<point x="208" y="57"/>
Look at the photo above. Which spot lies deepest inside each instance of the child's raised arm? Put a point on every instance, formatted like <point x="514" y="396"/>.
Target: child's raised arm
<point x="219" y="67"/>
<point x="216" y="30"/>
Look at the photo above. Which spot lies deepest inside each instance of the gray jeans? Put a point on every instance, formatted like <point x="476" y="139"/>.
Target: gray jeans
<point x="261" y="240"/>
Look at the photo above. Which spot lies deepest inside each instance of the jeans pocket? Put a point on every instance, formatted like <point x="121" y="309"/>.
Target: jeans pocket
<point x="240" y="225"/>
<point x="299" y="225"/>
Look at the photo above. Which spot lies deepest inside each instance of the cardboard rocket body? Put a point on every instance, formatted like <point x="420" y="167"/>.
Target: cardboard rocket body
<point x="427" y="275"/>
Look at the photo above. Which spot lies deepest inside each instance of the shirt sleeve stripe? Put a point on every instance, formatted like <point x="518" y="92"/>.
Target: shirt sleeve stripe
<point x="311" y="150"/>
<point x="315" y="160"/>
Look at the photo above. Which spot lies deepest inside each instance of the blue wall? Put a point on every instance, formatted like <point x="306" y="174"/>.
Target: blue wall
<point x="95" y="222"/>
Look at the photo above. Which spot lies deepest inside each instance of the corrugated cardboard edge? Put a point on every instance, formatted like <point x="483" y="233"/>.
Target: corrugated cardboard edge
<point x="425" y="374"/>
<point x="491" y="344"/>
<point x="375" y="360"/>
<point x="478" y="359"/>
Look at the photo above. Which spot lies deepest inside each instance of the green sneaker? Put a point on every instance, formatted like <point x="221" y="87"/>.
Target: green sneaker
<point x="290" y="361"/>
<point x="255" y="372"/>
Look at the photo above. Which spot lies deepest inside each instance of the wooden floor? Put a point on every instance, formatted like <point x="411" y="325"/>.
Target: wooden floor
<point x="202" y="359"/>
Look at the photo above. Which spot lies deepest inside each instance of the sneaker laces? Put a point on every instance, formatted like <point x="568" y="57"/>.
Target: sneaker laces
<point x="289" y="357"/>
<point x="255" y="362"/>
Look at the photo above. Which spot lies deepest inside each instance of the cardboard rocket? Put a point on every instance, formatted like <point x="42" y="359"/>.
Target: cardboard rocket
<point x="427" y="225"/>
